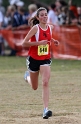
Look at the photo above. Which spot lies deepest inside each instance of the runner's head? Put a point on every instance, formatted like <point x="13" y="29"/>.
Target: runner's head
<point x="41" y="16"/>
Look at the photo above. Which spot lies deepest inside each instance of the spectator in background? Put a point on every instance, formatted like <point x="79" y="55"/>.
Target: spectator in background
<point x="12" y="2"/>
<point x="19" y="4"/>
<point x="72" y="15"/>
<point x="23" y="18"/>
<point x="60" y="4"/>
<point x="73" y="8"/>
<point x="32" y="8"/>
<point x="79" y="10"/>
<point x="57" y="3"/>
<point x="61" y="14"/>
<point x="19" y="20"/>
<point x="18" y="15"/>
<point x="2" y="13"/>
<point x="52" y="17"/>
<point x="8" y="18"/>
<point x="2" y="9"/>
<point x="66" y="15"/>
<point x="61" y="10"/>
<point x="79" y="15"/>
<point x="2" y="48"/>
<point x="14" y="16"/>
<point x="71" y="18"/>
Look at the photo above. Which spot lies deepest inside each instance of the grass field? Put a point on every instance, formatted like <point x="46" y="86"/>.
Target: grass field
<point x="19" y="104"/>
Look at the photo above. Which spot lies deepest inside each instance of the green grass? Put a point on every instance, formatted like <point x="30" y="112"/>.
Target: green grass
<point x="19" y="104"/>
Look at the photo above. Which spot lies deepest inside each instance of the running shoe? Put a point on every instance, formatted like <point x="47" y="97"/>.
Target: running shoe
<point x="47" y="114"/>
<point x="25" y="75"/>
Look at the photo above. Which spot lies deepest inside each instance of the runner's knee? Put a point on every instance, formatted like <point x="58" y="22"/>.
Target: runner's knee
<point x="34" y="87"/>
<point x="45" y="83"/>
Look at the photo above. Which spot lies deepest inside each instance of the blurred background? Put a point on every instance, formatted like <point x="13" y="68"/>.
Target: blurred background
<point x="65" y="15"/>
<point x="6" y="3"/>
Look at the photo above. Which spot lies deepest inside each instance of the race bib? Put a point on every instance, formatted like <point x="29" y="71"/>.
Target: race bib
<point x="43" y="50"/>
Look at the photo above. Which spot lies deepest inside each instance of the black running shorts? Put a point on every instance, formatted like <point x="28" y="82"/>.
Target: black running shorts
<point x="34" y="65"/>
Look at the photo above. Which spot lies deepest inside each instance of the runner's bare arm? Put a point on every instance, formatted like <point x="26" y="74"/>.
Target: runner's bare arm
<point x="27" y="43"/>
<point x="56" y="42"/>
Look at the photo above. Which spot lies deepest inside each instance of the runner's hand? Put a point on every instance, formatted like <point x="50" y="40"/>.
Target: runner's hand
<point x="56" y="42"/>
<point x="43" y="42"/>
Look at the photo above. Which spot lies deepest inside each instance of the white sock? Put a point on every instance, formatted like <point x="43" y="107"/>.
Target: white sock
<point x="45" y="109"/>
<point x="28" y="78"/>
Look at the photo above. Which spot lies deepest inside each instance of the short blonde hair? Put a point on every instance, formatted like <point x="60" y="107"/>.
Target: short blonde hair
<point x="32" y="7"/>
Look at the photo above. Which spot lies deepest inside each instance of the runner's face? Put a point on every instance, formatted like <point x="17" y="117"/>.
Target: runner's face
<point x="43" y="16"/>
